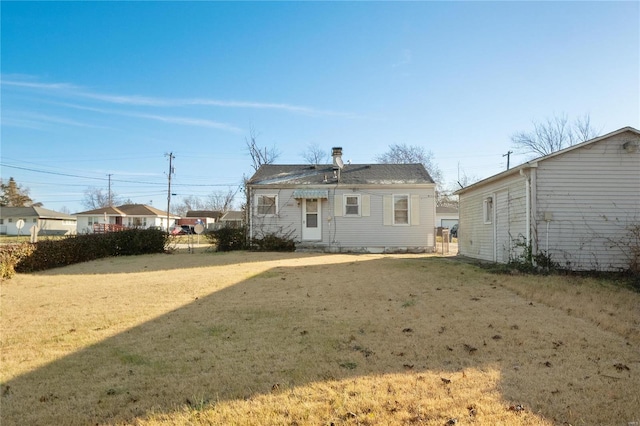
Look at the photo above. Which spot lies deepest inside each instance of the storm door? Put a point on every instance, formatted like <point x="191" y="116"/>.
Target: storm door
<point x="311" y="219"/>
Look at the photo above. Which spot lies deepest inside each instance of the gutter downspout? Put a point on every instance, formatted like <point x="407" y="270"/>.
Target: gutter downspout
<point x="250" y="213"/>
<point x="527" y="192"/>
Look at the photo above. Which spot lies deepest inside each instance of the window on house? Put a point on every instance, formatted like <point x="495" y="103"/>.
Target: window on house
<point x="352" y="205"/>
<point x="10" y="220"/>
<point x="267" y="205"/>
<point x="400" y="209"/>
<point x="487" y="208"/>
<point x="1" y="221"/>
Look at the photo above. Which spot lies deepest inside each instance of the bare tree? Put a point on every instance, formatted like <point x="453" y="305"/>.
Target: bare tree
<point x="96" y="198"/>
<point x="465" y="180"/>
<point x="260" y="156"/>
<point x="446" y="197"/>
<point x="188" y="203"/>
<point x="222" y="201"/>
<point x="411" y="154"/>
<point x="313" y="154"/>
<point x="554" y="134"/>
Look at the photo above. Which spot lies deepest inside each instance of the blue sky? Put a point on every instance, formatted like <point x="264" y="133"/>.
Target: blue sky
<point x="91" y="89"/>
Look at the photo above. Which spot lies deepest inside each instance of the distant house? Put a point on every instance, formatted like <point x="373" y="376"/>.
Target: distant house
<point x="233" y="218"/>
<point x="206" y="217"/>
<point x="578" y="205"/>
<point x="338" y="207"/>
<point x="125" y="216"/>
<point x="446" y="216"/>
<point x="49" y="222"/>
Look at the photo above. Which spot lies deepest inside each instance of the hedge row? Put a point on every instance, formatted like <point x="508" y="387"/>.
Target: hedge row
<point x="47" y="254"/>
<point x="10" y="256"/>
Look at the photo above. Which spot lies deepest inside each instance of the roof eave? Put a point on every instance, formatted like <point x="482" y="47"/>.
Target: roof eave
<point x="534" y="163"/>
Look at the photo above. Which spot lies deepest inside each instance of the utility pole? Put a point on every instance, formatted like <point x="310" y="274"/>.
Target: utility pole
<point x="171" y="171"/>
<point x="508" y="155"/>
<point x="109" y="193"/>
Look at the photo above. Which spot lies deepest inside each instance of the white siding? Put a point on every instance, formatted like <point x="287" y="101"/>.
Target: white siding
<point x="591" y="195"/>
<point x="366" y="232"/>
<point x="477" y="239"/>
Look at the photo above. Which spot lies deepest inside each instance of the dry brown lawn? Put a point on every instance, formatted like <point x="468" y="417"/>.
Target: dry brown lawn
<point x="296" y="339"/>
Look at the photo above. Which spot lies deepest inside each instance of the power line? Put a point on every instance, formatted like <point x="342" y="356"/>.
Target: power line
<point x="115" y="180"/>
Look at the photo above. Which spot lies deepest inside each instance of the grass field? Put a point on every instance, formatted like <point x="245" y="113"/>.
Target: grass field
<point x="295" y="339"/>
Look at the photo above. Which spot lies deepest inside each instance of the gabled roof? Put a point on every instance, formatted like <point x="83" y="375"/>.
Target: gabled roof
<point x="126" y="210"/>
<point x="233" y="216"/>
<point x="205" y="213"/>
<point x="141" y="210"/>
<point x="39" y="212"/>
<point x="351" y="174"/>
<point x="535" y="161"/>
<point x="110" y="211"/>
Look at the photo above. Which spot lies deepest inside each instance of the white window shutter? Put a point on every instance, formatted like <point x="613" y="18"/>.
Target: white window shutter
<point x="387" y="210"/>
<point x="366" y="205"/>
<point x="337" y="205"/>
<point x="415" y="210"/>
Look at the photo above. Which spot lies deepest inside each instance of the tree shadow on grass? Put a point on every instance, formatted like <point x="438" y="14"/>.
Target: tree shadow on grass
<point x="293" y="326"/>
<point x="178" y="259"/>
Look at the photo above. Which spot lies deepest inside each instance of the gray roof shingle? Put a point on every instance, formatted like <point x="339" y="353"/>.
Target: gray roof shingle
<point x="352" y="174"/>
<point x="39" y="212"/>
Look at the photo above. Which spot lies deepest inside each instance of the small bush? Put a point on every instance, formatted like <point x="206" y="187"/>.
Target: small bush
<point x="228" y="238"/>
<point x="530" y="263"/>
<point x="48" y="254"/>
<point x="273" y="242"/>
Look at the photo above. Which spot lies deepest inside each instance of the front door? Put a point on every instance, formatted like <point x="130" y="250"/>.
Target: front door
<point x="311" y="220"/>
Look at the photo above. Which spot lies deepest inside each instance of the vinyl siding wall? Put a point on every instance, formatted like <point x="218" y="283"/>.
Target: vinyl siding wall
<point x="495" y="241"/>
<point x="47" y="226"/>
<point x="591" y="196"/>
<point x="366" y="232"/>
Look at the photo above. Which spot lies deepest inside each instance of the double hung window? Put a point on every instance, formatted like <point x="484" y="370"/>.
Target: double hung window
<point x="400" y="209"/>
<point x="267" y="205"/>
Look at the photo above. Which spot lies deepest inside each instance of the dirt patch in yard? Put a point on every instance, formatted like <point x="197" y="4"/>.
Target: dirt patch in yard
<point x="255" y="338"/>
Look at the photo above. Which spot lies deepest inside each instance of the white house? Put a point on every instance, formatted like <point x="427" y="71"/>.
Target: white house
<point x="125" y="216"/>
<point x="446" y="216"/>
<point x="48" y="222"/>
<point x="579" y="205"/>
<point x="351" y="208"/>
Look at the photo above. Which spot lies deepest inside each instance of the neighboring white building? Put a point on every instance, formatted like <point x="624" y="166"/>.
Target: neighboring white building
<point x="49" y="222"/>
<point x="125" y="216"/>
<point x="578" y="205"/>
<point x="355" y="207"/>
<point x="446" y="217"/>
